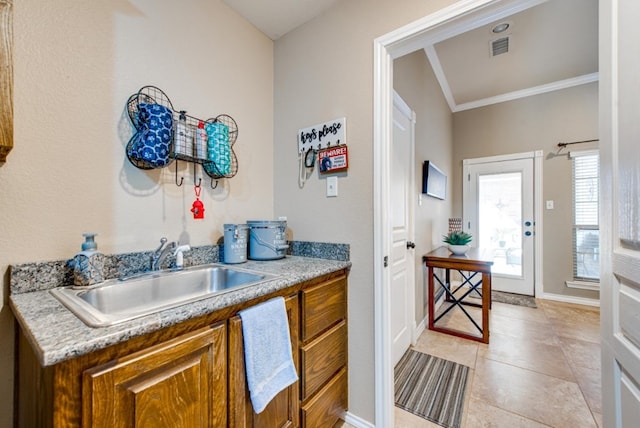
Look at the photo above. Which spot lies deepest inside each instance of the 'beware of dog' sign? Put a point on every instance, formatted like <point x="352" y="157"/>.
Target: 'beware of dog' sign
<point x="333" y="159"/>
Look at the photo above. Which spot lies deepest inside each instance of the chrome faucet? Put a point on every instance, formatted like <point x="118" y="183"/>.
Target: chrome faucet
<point x="161" y="253"/>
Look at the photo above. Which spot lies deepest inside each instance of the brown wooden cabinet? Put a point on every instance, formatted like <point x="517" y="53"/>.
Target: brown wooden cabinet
<point x="179" y="383"/>
<point x="323" y="353"/>
<point x="192" y="374"/>
<point x="282" y="411"/>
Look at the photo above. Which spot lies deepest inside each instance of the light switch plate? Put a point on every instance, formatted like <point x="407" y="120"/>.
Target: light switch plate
<point x="332" y="187"/>
<point x="550" y="204"/>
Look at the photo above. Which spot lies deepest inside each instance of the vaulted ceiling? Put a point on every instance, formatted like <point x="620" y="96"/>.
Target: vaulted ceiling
<point x="275" y="18"/>
<point x="550" y="45"/>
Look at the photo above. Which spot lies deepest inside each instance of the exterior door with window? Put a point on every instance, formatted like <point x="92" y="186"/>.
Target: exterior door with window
<point x="498" y="211"/>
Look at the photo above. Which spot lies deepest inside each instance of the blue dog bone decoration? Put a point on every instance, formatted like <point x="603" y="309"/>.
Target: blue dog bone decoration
<point x="152" y="142"/>
<point x="218" y="149"/>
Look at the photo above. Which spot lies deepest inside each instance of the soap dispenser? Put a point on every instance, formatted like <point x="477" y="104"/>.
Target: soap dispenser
<point x="89" y="263"/>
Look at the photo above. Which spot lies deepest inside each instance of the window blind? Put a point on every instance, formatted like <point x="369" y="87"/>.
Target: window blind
<point x="586" y="229"/>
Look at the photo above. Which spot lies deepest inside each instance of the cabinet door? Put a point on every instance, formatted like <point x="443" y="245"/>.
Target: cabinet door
<point x="282" y="411"/>
<point x="180" y="383"/>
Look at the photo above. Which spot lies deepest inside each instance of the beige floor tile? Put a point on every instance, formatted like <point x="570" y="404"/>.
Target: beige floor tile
<point x="572" y="329"/>
<point x="576" y="321"/>
<point x="461" y="351"/>
<point x="570" y="311"/>
<point x="539" y="397"/>
<point x="537" y="331"/>
<point x="483" y="415"/>
<point x="521" y="378"/>
<point x="519" y="312"/>
<point x="528" y="354"/>
<point x="590" y="384"/>
<point x="582" y="353"/>
<point x="404" y="419"/>
<point x="598" y="418"/>
<point x="456" y="319"/>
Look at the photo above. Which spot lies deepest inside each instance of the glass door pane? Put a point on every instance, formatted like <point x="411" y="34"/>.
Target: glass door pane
<point x="500" y="220"/>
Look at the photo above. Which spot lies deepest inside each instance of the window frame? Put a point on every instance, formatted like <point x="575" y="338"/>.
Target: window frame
<point x="581" y="281"/>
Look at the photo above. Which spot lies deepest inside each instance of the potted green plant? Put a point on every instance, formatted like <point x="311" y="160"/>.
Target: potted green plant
<point x="458" y="242"/>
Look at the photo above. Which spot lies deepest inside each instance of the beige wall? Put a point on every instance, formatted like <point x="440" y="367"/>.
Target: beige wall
<point x="535" y="123"/>
<point x="76" y="63"/>
<point x="414" y="80"/>
<point x="324" y="70"/>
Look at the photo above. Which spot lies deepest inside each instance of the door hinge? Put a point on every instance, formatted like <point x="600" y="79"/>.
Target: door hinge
<point x="386" y="261"/>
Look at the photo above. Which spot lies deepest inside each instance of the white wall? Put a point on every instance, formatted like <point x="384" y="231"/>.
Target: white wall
<point x="324" y="70"/>
<point x="414" y="80"/>
<point x="76" y="62"/>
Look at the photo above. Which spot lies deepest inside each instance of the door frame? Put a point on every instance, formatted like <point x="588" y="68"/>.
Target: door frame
<point x="537" y="157"/>
<point x="454" y="19"/>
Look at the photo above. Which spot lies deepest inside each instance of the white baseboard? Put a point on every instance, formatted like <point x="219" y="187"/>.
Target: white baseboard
<point x="417" y="330"/>
<point x="570" y="299"/>
<point x="356" y="421"/>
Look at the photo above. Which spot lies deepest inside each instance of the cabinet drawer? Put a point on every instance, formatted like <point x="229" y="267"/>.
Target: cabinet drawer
<point x="328" y="405"/>
<point x="322" y="358"/>
<point x="323" y="306"/>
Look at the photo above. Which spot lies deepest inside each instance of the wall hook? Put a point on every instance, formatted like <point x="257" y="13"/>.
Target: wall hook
<point x="181" y="178"/>
<point x="212" y="186"/>
<point x="194" y="178"/>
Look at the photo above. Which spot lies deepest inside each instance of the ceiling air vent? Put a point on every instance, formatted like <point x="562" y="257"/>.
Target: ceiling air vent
<point x="500" y="46"/>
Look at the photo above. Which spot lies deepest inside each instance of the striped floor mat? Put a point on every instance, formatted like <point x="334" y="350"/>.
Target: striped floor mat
<point x="431" y="388"/>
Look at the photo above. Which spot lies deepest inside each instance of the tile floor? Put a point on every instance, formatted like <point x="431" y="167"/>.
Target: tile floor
<point x="540" y="369"/>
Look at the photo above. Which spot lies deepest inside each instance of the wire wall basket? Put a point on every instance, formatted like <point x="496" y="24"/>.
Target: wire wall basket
<point x="164" y="135"/>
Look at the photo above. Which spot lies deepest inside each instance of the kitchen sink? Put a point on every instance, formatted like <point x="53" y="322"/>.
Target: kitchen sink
<point x="118" y="300"/>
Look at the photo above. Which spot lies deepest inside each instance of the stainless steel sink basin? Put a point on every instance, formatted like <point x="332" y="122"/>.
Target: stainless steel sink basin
<point x="117" y="300"/>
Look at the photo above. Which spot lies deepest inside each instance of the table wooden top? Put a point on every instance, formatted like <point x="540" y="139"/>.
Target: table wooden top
<point x="476" y="259"/>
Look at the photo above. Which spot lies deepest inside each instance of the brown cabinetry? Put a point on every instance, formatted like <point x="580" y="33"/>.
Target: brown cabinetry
<point x="282" y="411"/>
<point x="179" y="383"/>
<point x="192" y="374"/>
<point x="323" y="353"/>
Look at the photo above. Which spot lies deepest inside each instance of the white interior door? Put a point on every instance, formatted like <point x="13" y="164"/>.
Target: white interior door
<point x="401" y="209"/>
<point x="620" y="212"/>
<point x="498" y="212"/>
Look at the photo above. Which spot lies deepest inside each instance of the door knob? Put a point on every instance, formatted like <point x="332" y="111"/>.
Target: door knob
<point x="410" y="245"/>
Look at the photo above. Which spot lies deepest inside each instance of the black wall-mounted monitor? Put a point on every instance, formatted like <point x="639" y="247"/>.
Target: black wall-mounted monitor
<point x="434" y="182"/>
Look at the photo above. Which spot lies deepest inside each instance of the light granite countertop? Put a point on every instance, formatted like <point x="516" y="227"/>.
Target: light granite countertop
<point x="57" y="335"/>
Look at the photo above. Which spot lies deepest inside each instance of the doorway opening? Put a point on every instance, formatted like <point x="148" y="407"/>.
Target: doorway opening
<point x="461" y="16"/>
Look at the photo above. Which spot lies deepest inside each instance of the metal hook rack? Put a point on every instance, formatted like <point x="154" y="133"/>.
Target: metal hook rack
<point x="199" y="179"/>
<point x="178" y="144"/>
